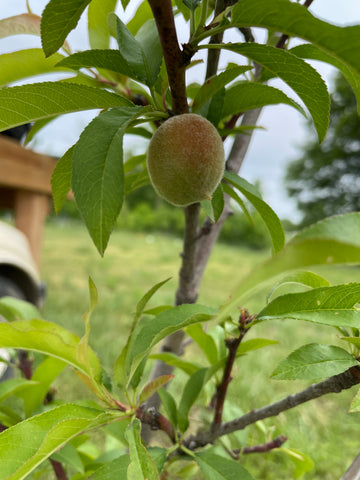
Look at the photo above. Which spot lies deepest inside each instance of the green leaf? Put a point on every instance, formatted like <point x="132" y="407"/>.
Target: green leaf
<point x="314" y="361"/>
<point x="141" y="467"/>
<point x="115" y="469"/>
<point x="215" y="467"/>
<point x="14" y="386"/>
<point x="26" y="63"/>
<point x="150" y="331"/>
<point x="355" y="403"/>
<point x="58" y="19"/>
<point x="216" y="83"/>
<point x="15" y="309"/>
<point x="188" y="367"/>
<point x="153" y="386"/>
<point x="69" y="456"/>
<point x="98" y="11"/>
<point x="97" y="172"/>
<point x="248" y="95"/>
<point x="232" y="194"/>
<point x="302" y="462"/>
<point x="335" y="240"/>
<point x="307" y="279"/>
<point x="254" y="344"/>
<point x="270" y="218"/>
<point x="47" y="338"/>
<point x="204" y="341"/>
<point x="107" y="59"/>
<point x="43" y="435"/>
<point x="175" y="361"/>
<point x="149" y="40"/>
<point x="142" y="14"/>
<point x="191" y="4"/>
<point x="214" y="207"/>
<point x="119" y="368"/>
<point x="299" y="75"/>
<point x="295" y="20"/>
<point x="326" y="305"/>
<point x="61" y="179"/>
<point x="44" y="375"/>
<point x="26" y="103"/>
<point x="312" y="52"/>
<point x="191" y="391"/>
<point x="25" y="23"/>
<point x="169" y="404"/>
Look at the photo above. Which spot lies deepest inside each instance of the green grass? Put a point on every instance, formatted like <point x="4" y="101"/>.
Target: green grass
<point x="133" y="263"/>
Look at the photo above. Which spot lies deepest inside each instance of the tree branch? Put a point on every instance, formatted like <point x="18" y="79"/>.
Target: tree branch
<point x="173" y="55"/>
<point x="334" y="384"/>
<point x="263" y="447"/>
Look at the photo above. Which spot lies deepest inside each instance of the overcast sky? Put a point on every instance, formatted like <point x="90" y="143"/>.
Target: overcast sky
<point x="270" y="150"/>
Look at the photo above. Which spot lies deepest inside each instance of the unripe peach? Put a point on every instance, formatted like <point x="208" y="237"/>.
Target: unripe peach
<point x="186" y="159"/>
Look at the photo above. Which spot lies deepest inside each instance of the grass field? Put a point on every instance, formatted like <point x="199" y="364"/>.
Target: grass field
<point x="133" y="263"/>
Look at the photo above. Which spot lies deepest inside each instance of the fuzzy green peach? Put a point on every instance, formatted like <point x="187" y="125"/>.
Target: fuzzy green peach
<point x="186" y="159"/>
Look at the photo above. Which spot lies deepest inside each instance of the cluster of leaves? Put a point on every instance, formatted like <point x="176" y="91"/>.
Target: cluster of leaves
<point x="130" y="85"/>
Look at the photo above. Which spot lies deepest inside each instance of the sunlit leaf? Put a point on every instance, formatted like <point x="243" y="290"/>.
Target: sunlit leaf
<point x="314" y="361"/>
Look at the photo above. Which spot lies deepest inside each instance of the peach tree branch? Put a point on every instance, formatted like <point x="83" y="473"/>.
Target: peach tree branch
<point x="334" y="384"/>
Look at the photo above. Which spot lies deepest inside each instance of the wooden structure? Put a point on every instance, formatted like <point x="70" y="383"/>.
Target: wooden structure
<point x="25" y="188"/>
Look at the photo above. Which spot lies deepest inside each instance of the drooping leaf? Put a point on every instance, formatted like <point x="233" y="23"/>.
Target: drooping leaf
<point x="326" y="305"/>
<point x="97" y="172"/>
<point x="270" y="218"/>
<point x="141" y="467"/>
<point x="98" y="11"/>
<point x="61" y="179"/>
<point x="58" y="19"/>
<point x="44" y="434"/>
<point x="26" y="63"/>
<point x="250" y="95"/>
<point x="216" y="83"/>
<point x="335" y="240"/>
<point x="150" y="331"/>
<point x="299" y="75"/>
<point x="312" y="52"/>
<point x="27" y="103"/>
<point x="295" y="20"/>
<point x="314" y="361"/>
<point x="215" y="467"/>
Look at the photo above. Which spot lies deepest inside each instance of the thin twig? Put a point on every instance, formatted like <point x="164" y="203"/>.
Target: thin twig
<point x="221" y="390"/>
<point x="334" y="384"/>
<point x="263" y="447"/>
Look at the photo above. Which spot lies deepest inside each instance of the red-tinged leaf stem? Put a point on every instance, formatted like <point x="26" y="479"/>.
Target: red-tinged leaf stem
<point x="232" y="345"/>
